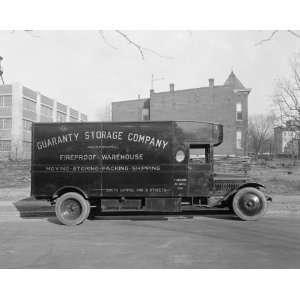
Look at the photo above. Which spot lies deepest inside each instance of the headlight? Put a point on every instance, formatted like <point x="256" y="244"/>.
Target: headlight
<point x="180" y="156"/>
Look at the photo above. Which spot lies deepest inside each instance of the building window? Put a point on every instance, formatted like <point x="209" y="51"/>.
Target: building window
<point x="46" y="111"/>
<point x="27" y="124"/>
<point x="5" y="146"/>
<point x="29" y="105"/>
<point x="61" y="107"/>
<point x="239" y="113"/>
<point x="239" y="139"/>
<point x="5" y="123"/>
<point x="72" y="119"/>
<point x="5" y="101"/>
<point x="61" y="117"/>
<point x="74" y="113"/>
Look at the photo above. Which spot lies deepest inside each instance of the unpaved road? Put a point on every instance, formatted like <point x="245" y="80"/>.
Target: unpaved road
<point x="199" y="241"/>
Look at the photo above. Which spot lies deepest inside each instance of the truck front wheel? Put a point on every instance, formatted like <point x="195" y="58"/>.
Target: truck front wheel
<point x="249" y="204"/>
<point x="72" y="209"/>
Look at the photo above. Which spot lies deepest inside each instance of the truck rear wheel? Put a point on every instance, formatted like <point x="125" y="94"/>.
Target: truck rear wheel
<point x="72" y="209"/>
<point x="249" y="204"/>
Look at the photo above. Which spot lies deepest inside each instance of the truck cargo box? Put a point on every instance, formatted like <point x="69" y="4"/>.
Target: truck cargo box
<point x="109" y="159"/>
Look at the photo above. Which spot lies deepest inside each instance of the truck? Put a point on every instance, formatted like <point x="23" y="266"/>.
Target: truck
<point x="88" y="168"/>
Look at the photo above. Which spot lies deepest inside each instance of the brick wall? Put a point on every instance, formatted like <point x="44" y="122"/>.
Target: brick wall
<point x="127" y="110"/>
<point x="216" y="103"/>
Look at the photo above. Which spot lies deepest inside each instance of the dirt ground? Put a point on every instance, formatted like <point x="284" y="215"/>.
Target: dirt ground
<point x="279" y="176"/>
<point x="14" y="174"/>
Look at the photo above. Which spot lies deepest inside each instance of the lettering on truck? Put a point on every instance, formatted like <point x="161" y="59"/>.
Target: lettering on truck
<point x="99" y="135"/>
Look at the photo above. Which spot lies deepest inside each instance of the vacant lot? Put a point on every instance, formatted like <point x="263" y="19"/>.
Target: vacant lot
<point x="14" y="174"/>
<point x="280" y="176"/>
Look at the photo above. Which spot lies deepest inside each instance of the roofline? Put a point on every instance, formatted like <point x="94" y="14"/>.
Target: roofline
<point x="192" y="89"/>
<point x="141" y="99"/>
<point x="156" y="121"/>
<point x="184" y="90"/>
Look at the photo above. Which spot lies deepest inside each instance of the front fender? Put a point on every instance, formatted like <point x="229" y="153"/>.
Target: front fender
<point x="247" y="184"/>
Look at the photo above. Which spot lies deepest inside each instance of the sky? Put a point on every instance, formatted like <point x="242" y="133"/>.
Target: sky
<point x="86" y="71"/>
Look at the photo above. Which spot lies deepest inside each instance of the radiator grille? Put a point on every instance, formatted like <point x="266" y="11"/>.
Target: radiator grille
<point x="226" y="186"/>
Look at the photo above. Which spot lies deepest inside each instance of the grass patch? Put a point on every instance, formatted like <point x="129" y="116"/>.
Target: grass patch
<point x="14" y="174"/>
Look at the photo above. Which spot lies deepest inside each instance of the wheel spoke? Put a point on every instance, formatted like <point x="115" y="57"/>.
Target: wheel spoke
<point x="71" y="209"/>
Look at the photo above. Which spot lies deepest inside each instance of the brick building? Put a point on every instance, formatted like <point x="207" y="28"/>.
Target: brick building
<point x="19" y="107"/>
<point x="287" y="140"/>
<point x="226" y="104"/>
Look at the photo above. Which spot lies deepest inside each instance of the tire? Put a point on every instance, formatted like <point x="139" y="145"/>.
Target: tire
<point x="72" y="209"/>
<point x="249" y="204"/>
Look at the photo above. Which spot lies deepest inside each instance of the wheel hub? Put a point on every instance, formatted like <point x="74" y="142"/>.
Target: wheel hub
<point x="71" y="209"/>
<point x="250" y="204"/>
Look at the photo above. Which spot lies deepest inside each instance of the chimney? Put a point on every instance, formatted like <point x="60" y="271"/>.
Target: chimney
<point x="172" y="87"/>
<point x="211" y="82"/>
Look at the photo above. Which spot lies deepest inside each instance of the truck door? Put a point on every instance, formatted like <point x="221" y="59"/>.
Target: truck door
<point x="200" y="170"/>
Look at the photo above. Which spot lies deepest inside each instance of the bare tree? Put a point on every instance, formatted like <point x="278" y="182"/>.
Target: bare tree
<point x="286" y="99"/>
<point x="286" y="102"/>
<point x="260" y="133"/>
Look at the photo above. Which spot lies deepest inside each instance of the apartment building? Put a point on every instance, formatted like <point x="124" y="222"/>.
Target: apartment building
<point x="226" y="104"/>
<point x="20" y="106"/>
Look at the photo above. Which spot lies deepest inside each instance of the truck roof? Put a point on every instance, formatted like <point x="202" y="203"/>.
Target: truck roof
<point x="148" y="121"/>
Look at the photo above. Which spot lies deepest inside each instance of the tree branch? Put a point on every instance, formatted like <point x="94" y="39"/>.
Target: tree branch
<point x="267" y="39"/>
<point x="105" y="40"/>
<point x="156" y="53"/>
<point x="274" y="32"/>
<point x="140" y="48"/>
<point x="292" y="32"/>
<point x="125" y="36"/>
<point x="30" y="32"/>
<point x="122" y="34"/>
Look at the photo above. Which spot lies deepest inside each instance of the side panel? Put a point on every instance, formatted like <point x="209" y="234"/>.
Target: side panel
<point x="139" y="162"/>
<point x="103" y="159"/>
<point x="63" y="157"/>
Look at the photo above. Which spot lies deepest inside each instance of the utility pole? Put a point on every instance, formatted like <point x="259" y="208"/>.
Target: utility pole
<point x="1" y="70"/>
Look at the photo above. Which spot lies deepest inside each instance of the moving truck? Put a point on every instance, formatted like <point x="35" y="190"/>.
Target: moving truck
<point x="91" y="167"/>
